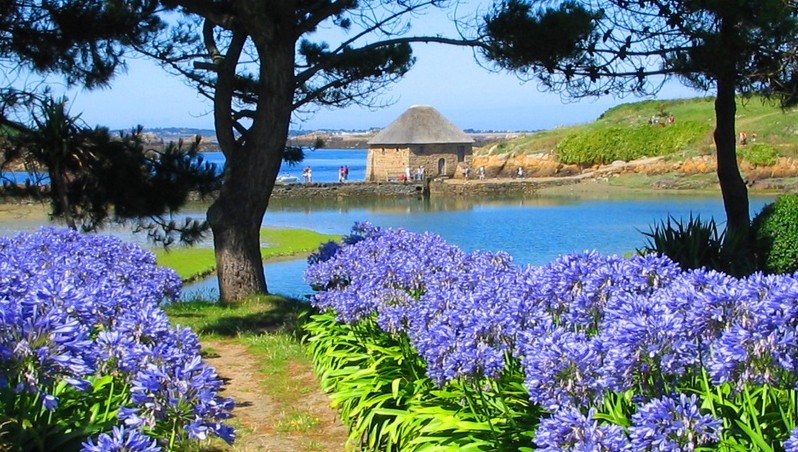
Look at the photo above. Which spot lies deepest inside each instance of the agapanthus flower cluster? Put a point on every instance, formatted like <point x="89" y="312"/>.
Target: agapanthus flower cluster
<point x="673" y="424"/>
<point x="569" y="429"/>
<point x="581" y="326"/>
<point x="75" y="307"/>
<point x="791" y="445"/>
<point x="360" y="231"/>
<point x="122" y="439"/>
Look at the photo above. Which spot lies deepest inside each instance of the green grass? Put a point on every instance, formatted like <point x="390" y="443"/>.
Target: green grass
<point x="257" y="315"/>
<point x="627" y="124"/>
<point x="193" y="263"/>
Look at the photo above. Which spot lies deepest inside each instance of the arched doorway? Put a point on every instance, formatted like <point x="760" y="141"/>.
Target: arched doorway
<point x="441" y="166"/>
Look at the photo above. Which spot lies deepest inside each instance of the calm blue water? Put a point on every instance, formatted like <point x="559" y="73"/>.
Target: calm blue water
<point x="323" y="162"/>
<point x="534" y="231"/>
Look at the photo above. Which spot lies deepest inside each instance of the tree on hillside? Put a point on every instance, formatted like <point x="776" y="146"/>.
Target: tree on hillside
<point x="261" y="63"/>
<point x="600" y="47"/>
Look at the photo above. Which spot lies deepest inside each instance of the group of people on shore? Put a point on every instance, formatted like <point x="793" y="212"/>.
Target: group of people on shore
<point x="481" y="173"/>
<point x="343" y="174"/>
<point x="409" y="174"/>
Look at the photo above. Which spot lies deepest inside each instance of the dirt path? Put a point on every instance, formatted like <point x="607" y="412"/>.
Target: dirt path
<point x="262" y="423"/>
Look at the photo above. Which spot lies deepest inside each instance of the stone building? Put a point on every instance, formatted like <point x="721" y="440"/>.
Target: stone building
<point x="420" y="138"/>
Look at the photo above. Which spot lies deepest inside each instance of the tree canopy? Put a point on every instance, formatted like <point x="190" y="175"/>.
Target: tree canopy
<point x="83" y="41"/>
<point x="600" y="47"/>
<point x="94" y="176"/>
<point x="260" y="63"/>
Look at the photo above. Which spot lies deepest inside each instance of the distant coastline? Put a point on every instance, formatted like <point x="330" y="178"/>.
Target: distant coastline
<point x="332" y="139"/>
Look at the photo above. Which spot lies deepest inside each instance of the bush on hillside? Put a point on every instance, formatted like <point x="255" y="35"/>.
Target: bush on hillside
<point x="628" y="143"/>
<point x="775" y="231"/>
<point x="759" y="154"/>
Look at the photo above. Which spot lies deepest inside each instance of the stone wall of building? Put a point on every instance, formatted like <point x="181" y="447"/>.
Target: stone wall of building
<point x="429" y="157"/>
<point x="383" y="164"/>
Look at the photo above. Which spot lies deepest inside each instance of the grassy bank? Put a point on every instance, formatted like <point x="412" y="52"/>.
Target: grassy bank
<point x="193" y="263"/>
<point x="689" y="134"/>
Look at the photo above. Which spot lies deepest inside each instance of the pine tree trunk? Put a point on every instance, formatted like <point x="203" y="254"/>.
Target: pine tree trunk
<point x="732" y="186"/>
<point x="738" y="252"/>
<point x="251" y="165"/>
<point x="236" y="241"/>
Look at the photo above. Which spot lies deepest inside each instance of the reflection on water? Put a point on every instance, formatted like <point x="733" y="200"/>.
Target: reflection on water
<point x="410" y="204"/>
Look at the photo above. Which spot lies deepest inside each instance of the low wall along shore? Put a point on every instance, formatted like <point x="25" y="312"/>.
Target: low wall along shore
<point x="432" y="188"/>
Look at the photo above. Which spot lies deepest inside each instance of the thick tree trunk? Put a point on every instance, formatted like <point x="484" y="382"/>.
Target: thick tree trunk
<point x="732" y="186"/>
<point x="252" y="167"/>
<point x="236" y="241"/>
<point x="738" y="251"/>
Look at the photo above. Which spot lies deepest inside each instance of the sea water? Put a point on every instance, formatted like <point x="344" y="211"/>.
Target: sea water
<point x="533" y="230"/>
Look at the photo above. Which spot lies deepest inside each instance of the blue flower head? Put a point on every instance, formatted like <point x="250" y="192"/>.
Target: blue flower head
<point x="571" y="430"/>
<point x="673" y="424"/>
<point x="122" y="440"/>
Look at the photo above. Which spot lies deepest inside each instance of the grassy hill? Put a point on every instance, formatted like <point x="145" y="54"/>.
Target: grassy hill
<point x="625" y="133"/>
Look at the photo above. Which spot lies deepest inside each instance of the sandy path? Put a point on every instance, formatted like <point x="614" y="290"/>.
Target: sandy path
<point x="259" y="417"/>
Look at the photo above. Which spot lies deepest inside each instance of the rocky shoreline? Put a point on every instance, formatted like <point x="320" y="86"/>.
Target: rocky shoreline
<point x="664" y="173"/>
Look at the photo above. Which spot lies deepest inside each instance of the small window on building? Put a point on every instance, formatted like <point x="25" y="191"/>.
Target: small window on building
<point x="460" y="154"/>
<point x="421" y="150"/>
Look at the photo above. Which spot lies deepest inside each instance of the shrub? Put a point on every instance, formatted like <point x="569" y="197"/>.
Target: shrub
<point x="627" y="143"/>
<point x="760" y="154"/>
<point x="696" y="244"/>
<point x="775" y="231"/>
<point x="87" y="355"/>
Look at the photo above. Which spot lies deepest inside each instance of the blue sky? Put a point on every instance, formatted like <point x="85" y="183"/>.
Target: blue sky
<point x="446" y="78"/>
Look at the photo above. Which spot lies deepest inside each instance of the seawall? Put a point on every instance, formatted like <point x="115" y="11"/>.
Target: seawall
<point x="432" y="188"/>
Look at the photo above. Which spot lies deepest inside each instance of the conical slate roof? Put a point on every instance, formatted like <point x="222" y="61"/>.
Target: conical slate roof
<point x="420" y="124"/>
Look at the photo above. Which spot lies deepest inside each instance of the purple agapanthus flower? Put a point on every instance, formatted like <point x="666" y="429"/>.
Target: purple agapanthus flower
<point x="569" y="429"/>
<point x="791" y="444"/>
<point x="673" y="424"/>
<point x="563" y="369"/>
<point x="122" y="440"/>
<point x="77" y="307"/>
